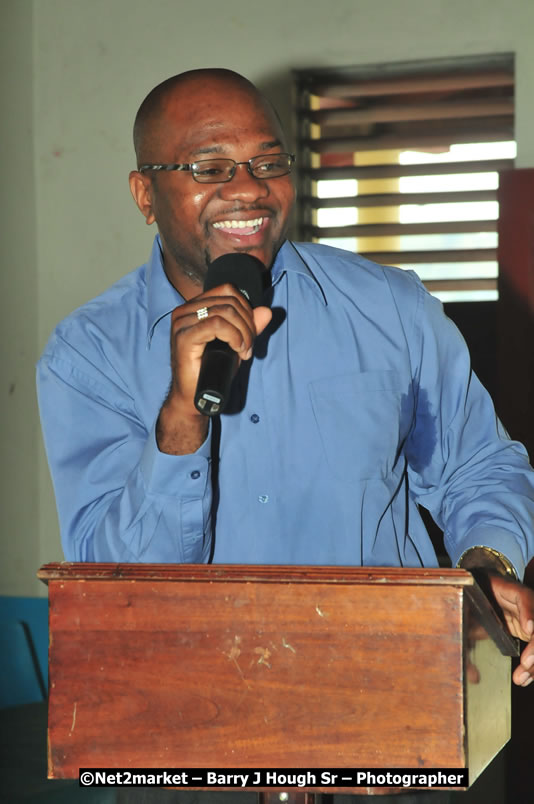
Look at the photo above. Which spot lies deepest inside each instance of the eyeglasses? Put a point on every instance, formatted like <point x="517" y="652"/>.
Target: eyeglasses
<point x="213" y="171"/>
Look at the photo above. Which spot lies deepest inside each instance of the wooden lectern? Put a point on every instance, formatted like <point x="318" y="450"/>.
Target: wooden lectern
<point x="188" y="666"/>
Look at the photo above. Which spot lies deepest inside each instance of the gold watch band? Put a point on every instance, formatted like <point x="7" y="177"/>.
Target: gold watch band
<point x="482" y="557"/>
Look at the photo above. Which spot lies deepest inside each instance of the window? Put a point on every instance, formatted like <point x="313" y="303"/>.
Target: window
<point x="401" y="164"/>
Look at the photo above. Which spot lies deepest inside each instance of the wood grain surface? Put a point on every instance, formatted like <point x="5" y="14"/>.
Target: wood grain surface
<point x="232" y="667"/>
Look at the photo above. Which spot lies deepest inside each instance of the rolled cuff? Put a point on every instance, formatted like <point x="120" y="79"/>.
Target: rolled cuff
<point x="498" y="538"/>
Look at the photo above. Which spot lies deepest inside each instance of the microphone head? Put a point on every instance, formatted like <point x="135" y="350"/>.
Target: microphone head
<point x="244" y="271"/>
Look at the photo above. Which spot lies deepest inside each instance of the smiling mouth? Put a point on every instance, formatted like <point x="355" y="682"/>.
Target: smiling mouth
<point x="240" y="227"/>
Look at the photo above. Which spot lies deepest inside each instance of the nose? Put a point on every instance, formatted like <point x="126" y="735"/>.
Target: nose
<point x="243" y="185"/>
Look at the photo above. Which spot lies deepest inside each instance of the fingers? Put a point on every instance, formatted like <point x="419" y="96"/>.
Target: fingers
<point x="517" y="603"/>
<point x="216" y="320"/>
<point x="226" y="317"/>
<point x="224" y="314"/>
<point x="262" y="316"/>
<point x="524" y="672"/>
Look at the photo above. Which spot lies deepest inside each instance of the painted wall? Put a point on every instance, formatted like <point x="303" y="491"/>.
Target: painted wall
<point x="20" y="439"/>
<point x="72" y="224"/>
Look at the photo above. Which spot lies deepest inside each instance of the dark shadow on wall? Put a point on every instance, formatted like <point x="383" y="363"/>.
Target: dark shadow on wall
<point x="279" y="89"/>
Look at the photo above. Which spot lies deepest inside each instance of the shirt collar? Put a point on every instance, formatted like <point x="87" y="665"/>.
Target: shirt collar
<point x="163" y="297"/>
<point x="290" y="260"/>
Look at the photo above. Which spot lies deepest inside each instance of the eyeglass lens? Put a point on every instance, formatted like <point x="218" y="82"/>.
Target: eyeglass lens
<point x="268" y="166"/>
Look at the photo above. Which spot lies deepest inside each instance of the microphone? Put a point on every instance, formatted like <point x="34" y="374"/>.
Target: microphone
<point x="219" y="361"/>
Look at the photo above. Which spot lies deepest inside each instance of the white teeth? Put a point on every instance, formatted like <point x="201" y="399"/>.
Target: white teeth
<point x="239" y="224"/>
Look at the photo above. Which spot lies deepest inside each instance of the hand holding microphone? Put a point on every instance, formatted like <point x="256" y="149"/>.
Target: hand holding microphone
<point x="219" y="361"/>
<point x="220" y="315"/>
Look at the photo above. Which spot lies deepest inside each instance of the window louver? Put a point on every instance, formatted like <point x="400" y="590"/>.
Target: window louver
<point x="401" y="165"/>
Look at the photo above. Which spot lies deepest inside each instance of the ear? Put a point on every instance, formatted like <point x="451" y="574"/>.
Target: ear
<point x="141" y="189"/>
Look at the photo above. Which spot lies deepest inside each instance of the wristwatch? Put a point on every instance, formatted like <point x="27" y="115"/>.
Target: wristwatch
<point x="487" y="558"/>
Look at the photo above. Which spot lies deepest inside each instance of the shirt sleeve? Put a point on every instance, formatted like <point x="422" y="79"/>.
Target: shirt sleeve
<point x="119" y="498"/>
<point x="463" y="467"/>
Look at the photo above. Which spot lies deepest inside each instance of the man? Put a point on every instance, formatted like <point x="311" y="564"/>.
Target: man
<point x="354" y="400"/>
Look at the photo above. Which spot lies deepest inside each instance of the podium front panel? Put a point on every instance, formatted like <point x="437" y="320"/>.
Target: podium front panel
<point x="237" y="667"/>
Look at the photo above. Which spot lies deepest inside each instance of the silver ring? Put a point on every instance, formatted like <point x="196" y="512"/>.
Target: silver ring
<point x="202" y="313"/>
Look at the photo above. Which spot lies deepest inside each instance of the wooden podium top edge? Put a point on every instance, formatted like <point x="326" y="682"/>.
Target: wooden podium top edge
<point x="213" y="573"/>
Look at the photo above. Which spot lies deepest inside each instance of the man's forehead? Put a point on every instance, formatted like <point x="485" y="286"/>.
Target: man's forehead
<point x="221" y="126"/>
<point x="216" y="104"/>
<point x="224" y="139"/>
<point x="209" y="145"/>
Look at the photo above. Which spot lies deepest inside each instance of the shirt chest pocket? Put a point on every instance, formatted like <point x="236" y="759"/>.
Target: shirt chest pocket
<point x="358" y="419"/>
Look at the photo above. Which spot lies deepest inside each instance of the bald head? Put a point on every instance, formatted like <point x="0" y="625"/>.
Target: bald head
<point x="187" y="90"/>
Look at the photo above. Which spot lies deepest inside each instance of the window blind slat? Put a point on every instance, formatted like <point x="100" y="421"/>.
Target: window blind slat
<point x="401" y="142"/>
<point x="406" y="112"/>
<point x="399" y="229"/>
<point x="352" y="88"/>
<point x="396" y="171"/>
<point x="396" y="199"/>
<point x="435" y="285"/>
<point x="408" y="258"/>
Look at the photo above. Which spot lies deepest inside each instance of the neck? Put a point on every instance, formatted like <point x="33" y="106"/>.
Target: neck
<point x="187" y="286"/>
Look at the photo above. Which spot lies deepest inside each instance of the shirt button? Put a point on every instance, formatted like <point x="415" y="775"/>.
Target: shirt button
<point x="263" y="498"/>
<point x="254" y="418"/>
<point x="195" y="475"/>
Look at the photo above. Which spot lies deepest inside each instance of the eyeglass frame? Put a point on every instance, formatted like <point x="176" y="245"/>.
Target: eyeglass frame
<point x="191" y="166"/>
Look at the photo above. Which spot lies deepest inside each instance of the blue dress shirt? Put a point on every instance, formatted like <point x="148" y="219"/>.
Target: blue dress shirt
<point x="358" y="405"/>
